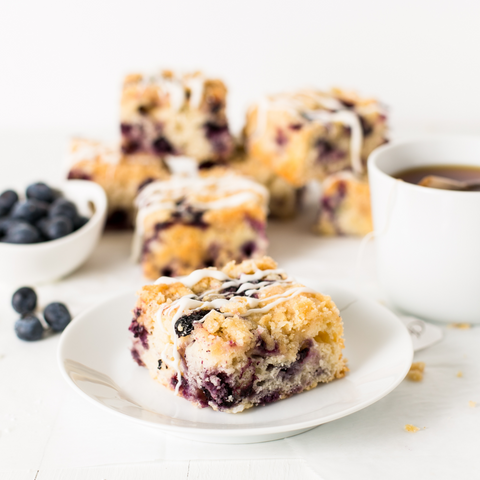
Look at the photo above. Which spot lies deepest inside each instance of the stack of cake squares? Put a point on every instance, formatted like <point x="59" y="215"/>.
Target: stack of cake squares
<point x="219" y="212"/>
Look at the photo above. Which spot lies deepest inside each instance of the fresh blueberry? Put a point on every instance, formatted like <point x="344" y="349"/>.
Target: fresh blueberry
<point x="22" y="233"/>
<point x="57" y="227"/>
<point x="41" y="226"/>
<point x="79" y="222"/>
<point x="7" y="200"/>
<point x="40" y="191"/>
<point x="57" y="316"/>
<point x="30" y="211"/>
<point x="29" y="328"/>
<point x="24" y="300"/>
<point x="63" y="207"/>
<point x="6" y="223"/>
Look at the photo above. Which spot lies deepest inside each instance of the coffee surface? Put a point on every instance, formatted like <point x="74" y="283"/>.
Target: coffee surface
<point x="464" y="173"/>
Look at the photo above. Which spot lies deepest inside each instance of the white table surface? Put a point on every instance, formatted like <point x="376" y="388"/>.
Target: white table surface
<point x="48" y="432"/>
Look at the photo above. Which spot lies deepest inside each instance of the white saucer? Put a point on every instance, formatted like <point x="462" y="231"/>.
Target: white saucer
<point x="95" y="360"/>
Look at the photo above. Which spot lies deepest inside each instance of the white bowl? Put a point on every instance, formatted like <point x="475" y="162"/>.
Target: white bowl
<point x="47" y="261"/>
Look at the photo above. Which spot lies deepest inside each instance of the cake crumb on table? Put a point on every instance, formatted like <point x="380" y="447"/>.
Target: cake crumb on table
<point x="415" y="374"/>
<point x="459" y="374"/>
<point x="460" y="326"/>
<point x="411" y="428"/>
<point x="472" y="404"/>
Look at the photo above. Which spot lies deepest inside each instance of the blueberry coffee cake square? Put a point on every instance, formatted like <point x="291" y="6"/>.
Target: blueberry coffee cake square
<point x="345" y="205"/>
<point x="173" y="114"/>
<point x="309" y="134"/>
<point x="121" y="176"/>
<point x="239" y="337"/>
<point x="285" y="199"/>
<point x="188" y="223"/>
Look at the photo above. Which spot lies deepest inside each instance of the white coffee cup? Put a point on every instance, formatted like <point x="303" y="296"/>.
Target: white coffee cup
<point x="427" y="240"/>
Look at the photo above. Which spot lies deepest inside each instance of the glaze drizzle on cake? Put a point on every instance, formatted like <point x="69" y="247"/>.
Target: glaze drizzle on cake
<point x="242" y="286"/>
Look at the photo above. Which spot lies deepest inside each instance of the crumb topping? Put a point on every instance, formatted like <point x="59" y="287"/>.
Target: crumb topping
<point x="415" y="373"/>
<point x="411" y="428"/>
<point x="460" y="326"/>
<point x="234" y="303"/>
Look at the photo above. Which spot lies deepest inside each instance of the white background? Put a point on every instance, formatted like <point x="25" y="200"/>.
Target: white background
<point x="61" y="66"/>
<point x="62" y="62"/>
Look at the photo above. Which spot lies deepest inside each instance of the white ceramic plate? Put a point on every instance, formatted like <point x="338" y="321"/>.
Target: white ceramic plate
<point x="95" y="360"/>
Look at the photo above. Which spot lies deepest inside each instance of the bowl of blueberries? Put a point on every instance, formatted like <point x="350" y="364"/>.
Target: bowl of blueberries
<point x="49" y="232"/>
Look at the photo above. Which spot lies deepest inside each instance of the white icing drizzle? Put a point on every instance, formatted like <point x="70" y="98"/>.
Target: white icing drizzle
<point x="174" y="86"/>
<point x="349" y="118"/>
<point x="328" y="109"/>
<point x="193" y="303"/>
<point x="164" y="194"/>
<point x="226" y="192"/>
<point x="196" y="84"/>
<point x="182" y="166"/>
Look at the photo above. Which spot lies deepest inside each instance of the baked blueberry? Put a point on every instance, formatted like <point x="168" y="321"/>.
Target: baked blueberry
<point x="24" y="300"/>
<point x="185" y="324"/>
<point x="29" y="328"/>
<point x="162" y="146"/>
<point x="63" y="207"/>
<point x="57" y="227"/>
<point x="22" y="232"/>
<point x="40" y="191"/>
<point x="30" y="210"/>
<point x="79" y="222"/>
<point x="7" y="200"/>
<point x="57" y="316"/>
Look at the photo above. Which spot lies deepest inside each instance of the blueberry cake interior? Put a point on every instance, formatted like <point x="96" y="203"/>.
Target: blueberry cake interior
<point x="173" y="114"/>
<point x="188" y="223"/>
<point x="345" y="207"/>
<point x="310" y="134"/>
<point x="239" y="337"/>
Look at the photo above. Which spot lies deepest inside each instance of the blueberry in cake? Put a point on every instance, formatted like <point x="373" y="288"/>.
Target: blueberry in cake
<point x="239" y="337"/>
<point x="188" y="223"/>
<point x="345" y="205"/>
<point x="121" y="176"/>
<point x="309" y="134"/>
<point x="172" y="114"/>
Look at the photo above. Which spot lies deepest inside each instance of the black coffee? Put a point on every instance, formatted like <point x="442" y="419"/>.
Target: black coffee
<point x="464" y="173"/>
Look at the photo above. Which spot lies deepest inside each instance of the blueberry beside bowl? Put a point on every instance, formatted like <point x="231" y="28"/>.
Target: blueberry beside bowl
<point x="29" y="327"/>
